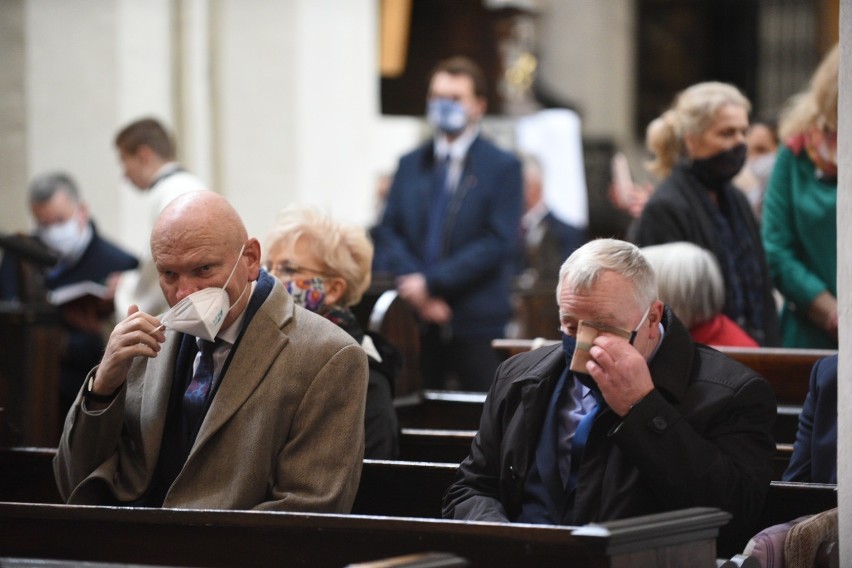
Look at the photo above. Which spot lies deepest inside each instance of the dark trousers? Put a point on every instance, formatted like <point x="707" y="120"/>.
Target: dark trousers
<point x="449" y="362"/>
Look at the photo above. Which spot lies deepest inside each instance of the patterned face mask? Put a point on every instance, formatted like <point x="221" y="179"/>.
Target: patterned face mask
<point x="307" y="292"/>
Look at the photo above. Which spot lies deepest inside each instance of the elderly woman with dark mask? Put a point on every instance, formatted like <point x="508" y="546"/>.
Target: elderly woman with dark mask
<point x="325" y="265"/>
<point x="699" y="146"/>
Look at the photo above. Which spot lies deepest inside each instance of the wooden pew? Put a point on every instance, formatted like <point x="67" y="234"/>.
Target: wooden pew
<point x="242" y="538"/>
<point x="29" y="374"/>
<point x="393" y="319"/>
<point x="787" y="370"/>
<point x="396" y="489"/>
<point x="452" y="410"/>
<point x="452" y="446"/>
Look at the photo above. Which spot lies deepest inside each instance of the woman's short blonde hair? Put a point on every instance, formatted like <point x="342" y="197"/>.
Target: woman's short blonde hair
<point x="339" y="249"/>
<point x="689" y="280"/>
<point x="692" y="112"/>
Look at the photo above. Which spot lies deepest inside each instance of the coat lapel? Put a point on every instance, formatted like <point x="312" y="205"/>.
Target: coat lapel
<point x="257" y="350"/>
<point x="156" y="393"/>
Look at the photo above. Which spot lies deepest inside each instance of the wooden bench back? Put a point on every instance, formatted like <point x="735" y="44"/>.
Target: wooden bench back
<point x="787" y="370"/>
<point x="388" y="488"/>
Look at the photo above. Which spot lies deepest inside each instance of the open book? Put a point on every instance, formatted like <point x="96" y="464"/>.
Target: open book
<point x="71" y="292"/>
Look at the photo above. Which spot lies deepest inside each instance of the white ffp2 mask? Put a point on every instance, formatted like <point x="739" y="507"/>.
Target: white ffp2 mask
<point x="201" y="313"/>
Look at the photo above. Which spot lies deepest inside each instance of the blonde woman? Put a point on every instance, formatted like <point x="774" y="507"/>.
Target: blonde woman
<point x="325" y="265"/>
<point x="699" y="146"/>
<point x="800" y="210"/>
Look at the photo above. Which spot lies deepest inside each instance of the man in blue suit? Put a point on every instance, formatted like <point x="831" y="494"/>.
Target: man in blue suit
<point x="814" y="457"/>
<point x="63" y="225"/>
<point x="449" y="230"/>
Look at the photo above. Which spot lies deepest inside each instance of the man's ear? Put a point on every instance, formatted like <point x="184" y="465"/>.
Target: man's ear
<point x="252" y="254"/>
<point x="481" y="107"/>
<point x="655" y="315"/>
<point x="84" y="213"/>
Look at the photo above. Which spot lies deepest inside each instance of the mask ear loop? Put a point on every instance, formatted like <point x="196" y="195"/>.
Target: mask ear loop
<point x="639" y="325"/>
<point x="231" y="275"/>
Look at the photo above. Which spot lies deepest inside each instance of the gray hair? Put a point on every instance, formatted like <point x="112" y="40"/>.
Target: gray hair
<point x="690" y="280"/>
<point x="45" y="186"/>
<point x="586" y="264"/>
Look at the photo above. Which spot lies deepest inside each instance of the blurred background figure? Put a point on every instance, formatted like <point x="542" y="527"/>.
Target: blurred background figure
<point x="545" y="240"/>
<point x="64" y="225"/>
<point x="691" y="283"/>
<point x="814" y="458"/>
<point x="762" y="145"/>
<point x="699" y="146"/>
<point x="325" y="265"/>
<point x="800" y="213"/>
<point x="554" y="137"/>
<point x="450" y="231"/>
<point x="148" y="156"/>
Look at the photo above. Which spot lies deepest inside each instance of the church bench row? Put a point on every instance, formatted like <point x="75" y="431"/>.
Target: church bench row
<point x="242" y="538"/>
<point x="397" y="489"/>
<point x="787" y="370"/>
<point x="452" y="446"/>
<point x="451" y="410"/>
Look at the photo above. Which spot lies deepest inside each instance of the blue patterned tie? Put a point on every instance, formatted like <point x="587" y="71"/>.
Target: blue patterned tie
<point x="198" y="391"/>
<point x="578" y="443"/>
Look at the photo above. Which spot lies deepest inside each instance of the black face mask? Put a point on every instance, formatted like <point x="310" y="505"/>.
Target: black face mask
<point x="721" y="168"/>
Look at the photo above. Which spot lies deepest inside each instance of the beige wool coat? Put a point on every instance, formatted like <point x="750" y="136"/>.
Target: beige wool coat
<point x="285" y="430"/>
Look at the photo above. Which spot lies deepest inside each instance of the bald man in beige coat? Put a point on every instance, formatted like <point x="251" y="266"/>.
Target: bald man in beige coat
<point x="283" y="426"/>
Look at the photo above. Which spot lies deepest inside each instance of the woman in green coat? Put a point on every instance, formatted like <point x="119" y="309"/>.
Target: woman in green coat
<point x="799" y="227"/>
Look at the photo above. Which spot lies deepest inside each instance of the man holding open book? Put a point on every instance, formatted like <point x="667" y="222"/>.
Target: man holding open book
<point x="78" y="282"/>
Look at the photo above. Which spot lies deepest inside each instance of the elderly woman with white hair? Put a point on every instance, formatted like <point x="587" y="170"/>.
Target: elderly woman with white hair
<point x="325" y="265"/>
<point x="690" y="282"/>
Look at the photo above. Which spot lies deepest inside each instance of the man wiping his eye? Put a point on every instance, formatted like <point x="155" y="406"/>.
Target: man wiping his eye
<point x="627" y="417"/>
<point x="214" y="403"/>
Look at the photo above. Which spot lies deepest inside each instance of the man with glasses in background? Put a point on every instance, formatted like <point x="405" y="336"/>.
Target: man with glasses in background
<point x="627" y="417"/>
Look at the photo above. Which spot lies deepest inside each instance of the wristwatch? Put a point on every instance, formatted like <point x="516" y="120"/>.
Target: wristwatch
<point x="91" y="395"/>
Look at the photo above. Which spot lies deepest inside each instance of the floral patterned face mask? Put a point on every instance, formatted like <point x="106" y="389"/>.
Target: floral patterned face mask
<point x="307" y="292"/>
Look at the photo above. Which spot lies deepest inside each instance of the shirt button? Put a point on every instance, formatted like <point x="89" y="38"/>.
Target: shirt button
<point x="659" y="423"/>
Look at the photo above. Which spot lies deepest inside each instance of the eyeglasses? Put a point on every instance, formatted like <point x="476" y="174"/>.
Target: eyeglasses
<point x="288" y="269"/>
<point x="630" y="336"/>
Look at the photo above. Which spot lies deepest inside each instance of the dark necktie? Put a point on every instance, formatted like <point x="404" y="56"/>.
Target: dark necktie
<point x="578" y="444"/>
<point x="198" y="391"/>
<point x="437" y="211"/>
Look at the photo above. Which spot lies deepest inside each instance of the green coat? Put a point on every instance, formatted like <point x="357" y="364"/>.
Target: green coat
<point x="799" y="231"/>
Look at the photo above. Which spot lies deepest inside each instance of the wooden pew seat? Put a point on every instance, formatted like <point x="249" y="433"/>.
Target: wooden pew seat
<point x="247" y="538"/>
<point x="388" y="488"/>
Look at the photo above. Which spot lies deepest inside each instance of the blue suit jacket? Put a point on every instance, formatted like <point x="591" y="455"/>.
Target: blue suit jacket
<point x="815" y="451"/>
<point x="100" y="259"/>
<point x="474" y="272"/>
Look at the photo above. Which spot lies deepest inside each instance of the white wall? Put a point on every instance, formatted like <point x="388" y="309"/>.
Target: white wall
<point x="71" y="98"/>
<point x="844" y="287"/>
<point x="13" y="118"/>
<point x="588" y="57"/>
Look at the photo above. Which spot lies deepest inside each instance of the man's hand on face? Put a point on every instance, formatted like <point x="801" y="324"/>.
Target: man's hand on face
<point x="620" y="371"/>
<point x="138" y="335"/>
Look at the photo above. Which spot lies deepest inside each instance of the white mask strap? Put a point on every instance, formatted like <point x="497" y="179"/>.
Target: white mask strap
<point x="234" y="269"/>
